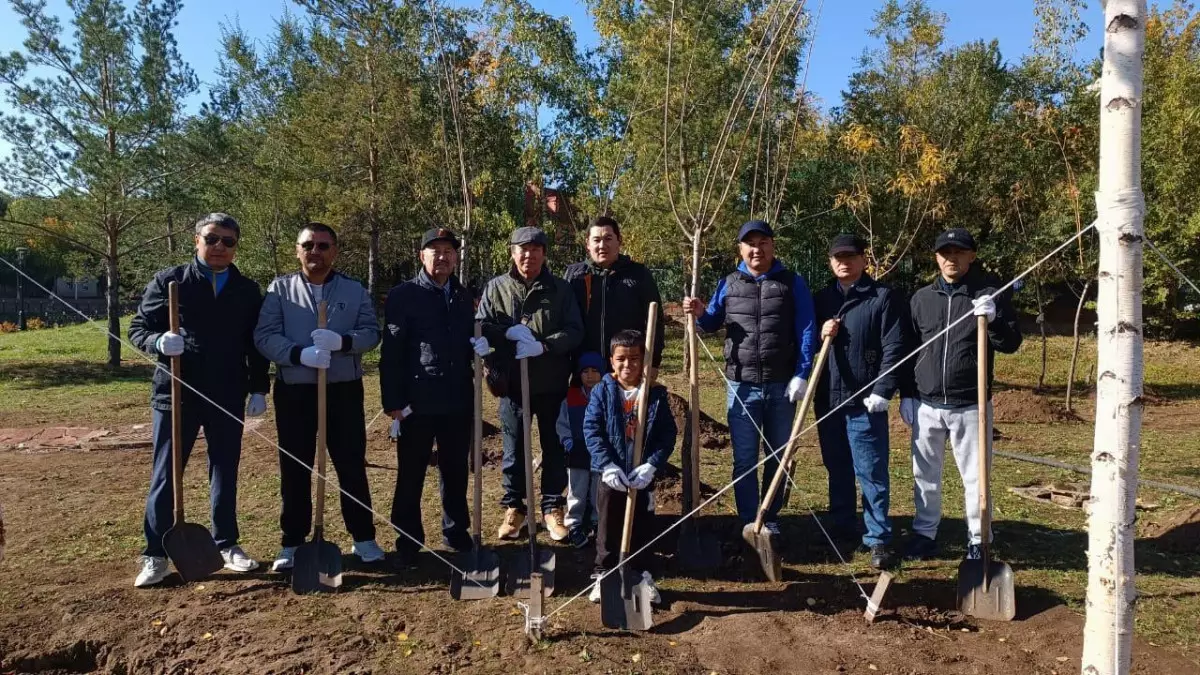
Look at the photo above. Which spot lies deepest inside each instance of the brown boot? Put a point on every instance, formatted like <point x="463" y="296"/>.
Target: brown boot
<point x="513" y="526"/>
<point x="553" y="520"/>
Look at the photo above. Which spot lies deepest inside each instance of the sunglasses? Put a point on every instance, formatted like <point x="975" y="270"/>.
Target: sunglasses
<point x="319" y="245"/>
<point x="212" y="239"/>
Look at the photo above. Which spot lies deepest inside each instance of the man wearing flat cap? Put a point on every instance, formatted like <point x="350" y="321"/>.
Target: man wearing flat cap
<point x="767" y="312"/>
<point x="868" y="322"/>
<point x="425" y="375"/>
<point x="941" y="401"/>
<point x="528" y="313"/>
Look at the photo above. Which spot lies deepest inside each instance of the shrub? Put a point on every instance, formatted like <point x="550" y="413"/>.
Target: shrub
<point x="8" y="327"/>
<point x="35" y="323"/>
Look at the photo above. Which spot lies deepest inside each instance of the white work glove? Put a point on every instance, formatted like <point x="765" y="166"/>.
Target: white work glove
<point x="481" y="346"/>
<point x="641" y="477"/>
<point x="520" y="333"/>
<point x="326" y="339"/>
<point x="908" y="410"/>
<point x="796" y="388"/>
<point x="528" y="349"/>
<point x="169" y="344"/>
<point x="394" y="431"/>
<point x="614" y="478"/>
<point x="875" y="403"/>
<point x="315" y="357"/>
<point x="985" y="306"/>
<point x="257" y="405"/>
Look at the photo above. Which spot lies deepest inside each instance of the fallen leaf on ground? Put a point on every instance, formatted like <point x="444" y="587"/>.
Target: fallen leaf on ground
<point x="637" y="658"/>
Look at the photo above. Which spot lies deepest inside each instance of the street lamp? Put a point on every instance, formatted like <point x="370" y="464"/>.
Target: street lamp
<point x="21" y="251"/>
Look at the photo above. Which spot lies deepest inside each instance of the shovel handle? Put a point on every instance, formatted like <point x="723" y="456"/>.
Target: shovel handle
<point x="176" y="408"/>
<point x="786" y="460"/>
<point x="985" y="442"/>
<point x="319" y="522"/>
<point x="477" y="441"/>
<point x="527" y="426"/>
<point x="639" y="434"/>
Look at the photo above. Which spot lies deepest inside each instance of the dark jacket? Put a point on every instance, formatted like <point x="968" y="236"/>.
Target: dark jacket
<point x="548" y="307"/>
<point x="426" y="360"/>
<point x="612" y="300"/>
<point x="219" y="358"/>
<point x="945" y="374"/>
<point x="604" y="428"/>
<point x="770" y="333"/>
<point x="871" y="340"/>
<point x="570" y="428"/>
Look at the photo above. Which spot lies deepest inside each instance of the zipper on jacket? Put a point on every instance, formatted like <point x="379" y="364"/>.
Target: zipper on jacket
<point x="946" y="347"/>
<point x="603" y="312"/>
<point x="762" y="375"/>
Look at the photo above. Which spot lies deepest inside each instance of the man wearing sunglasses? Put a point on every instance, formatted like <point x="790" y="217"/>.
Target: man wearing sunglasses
<point x="218" y="309"/>
<point x="288" y="335"/>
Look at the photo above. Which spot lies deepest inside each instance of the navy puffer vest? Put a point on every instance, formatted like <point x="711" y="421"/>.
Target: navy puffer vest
<point x="760" y="323"/>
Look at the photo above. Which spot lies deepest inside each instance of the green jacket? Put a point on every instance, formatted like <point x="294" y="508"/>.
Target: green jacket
<point x="548" y="307"/>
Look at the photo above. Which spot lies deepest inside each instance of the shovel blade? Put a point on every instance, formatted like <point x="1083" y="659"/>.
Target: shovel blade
<point x="697" y="551"/>
<point x="482" y="575"/>
<point x="766" y="549"/>
<point x="986" y="591"/>
<point x="517" y="582"/>
<point x="625" y="602"/>
<point x="318" y="568"/>
<point x="193" y="552"/>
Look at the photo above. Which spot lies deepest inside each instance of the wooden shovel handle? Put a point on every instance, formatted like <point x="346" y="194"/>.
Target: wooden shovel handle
<point x="176" y="408"/>
<point x="322" y="379"/>
<point x="639" y="435"/>
<point x="985" y="454"/>
<point x="477" y="441"/>
<point x="785" y="460"/>
<point x="527" y="426"/>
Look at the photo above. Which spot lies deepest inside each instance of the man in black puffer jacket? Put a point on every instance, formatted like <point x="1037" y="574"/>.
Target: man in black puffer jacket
<point x="941" y="402"/>
<point x="613" y="291"/>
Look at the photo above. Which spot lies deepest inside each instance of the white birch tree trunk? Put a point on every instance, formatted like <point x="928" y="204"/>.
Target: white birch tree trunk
<point x="1108" y="632"/>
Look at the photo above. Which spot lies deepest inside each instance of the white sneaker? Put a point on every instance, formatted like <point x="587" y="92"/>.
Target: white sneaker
<point x="655" y="598"/>
<point x="285" y="560"/>
<point x="154" y="570"/>
<point x="594" y="594"/>
<point x="368" y="551"/>
<point x="236" y="560"/>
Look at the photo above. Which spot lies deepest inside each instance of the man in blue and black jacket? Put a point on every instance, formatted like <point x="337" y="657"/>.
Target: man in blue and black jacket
<point x="868" y="323"/>
<point x="767" y="313"/>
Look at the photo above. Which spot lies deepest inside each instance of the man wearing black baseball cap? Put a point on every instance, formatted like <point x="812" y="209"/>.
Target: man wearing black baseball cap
<point x="868" y="323"/>
<point x="528" y="313"/>
<point x="941" y="400"/>
<point x="767" y="311"/>
<point x="425" y="373"/>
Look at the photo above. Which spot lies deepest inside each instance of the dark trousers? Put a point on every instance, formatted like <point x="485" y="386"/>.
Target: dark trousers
<point x="854" y="444"/>
<point x="554" y="461"/>
<point x="417" y="435"/>
<point x="346" y="439"/>
<point x="223" y="435"/>
<point x="611" y="505"/>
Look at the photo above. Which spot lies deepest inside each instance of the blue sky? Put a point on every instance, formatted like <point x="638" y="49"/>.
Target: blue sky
<point x="841" y="36"/>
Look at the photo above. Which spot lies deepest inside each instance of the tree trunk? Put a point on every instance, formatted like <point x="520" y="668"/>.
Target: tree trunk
<point x="1041" y="322"/>
<point x="692" y="464"/>
<point x="113" y="297"/>
<point x="1075" y="350"/>
<point x="1108" y="631"/>
<point x="170" y="234"/>
<point x="373" y="177"/>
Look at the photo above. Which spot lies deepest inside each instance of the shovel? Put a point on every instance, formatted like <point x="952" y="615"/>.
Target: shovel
<point x="764" y="543"/>
<point x="697" y="550"/>
<point x="985" y="586"/>
<point x="540" y="564"/>
<point x="625" y="596"/>
<point x="480" y="576"/>
<point x="189" y="546"/>
<point x="318" y="566"/>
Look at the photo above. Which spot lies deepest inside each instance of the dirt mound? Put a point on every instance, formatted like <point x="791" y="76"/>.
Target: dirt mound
<point x="1178" y="534"/>
<point x="1020" y="405"/>
<point x="713" y="434"/>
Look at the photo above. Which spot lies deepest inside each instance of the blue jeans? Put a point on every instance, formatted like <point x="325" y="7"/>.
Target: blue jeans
<point x="554" y="457"/>
<point x="224" y="439"/>
<point x="854" y="443"/>
<point x="767" y="407"/>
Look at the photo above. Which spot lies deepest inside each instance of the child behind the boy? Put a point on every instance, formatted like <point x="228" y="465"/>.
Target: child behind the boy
<point x="581" y="480"/>
<point x="609" y="426"/>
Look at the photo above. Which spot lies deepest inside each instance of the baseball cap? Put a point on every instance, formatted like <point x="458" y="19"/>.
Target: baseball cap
<point x="760" y="226"/>
<point x="527" y="235"/>
<point x="957" y="237"/>
<point x="847" y="243"/>
<point x="439" y="234"/>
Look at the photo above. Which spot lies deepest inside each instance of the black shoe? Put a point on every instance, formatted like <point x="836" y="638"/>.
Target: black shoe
<point x="404" y="558"/>
<point x="577" y="537"/>
<point x="920" y="547"/>
<point x="882" y="557"/>
<point x="456" y="545"/>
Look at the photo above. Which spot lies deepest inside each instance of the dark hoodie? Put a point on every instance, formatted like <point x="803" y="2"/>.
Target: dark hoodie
<point x="612" y="300"/>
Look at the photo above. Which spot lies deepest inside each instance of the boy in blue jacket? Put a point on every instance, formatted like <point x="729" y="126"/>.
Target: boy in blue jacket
<point x="581" y="481"/>
<point x="609" y="426"/>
